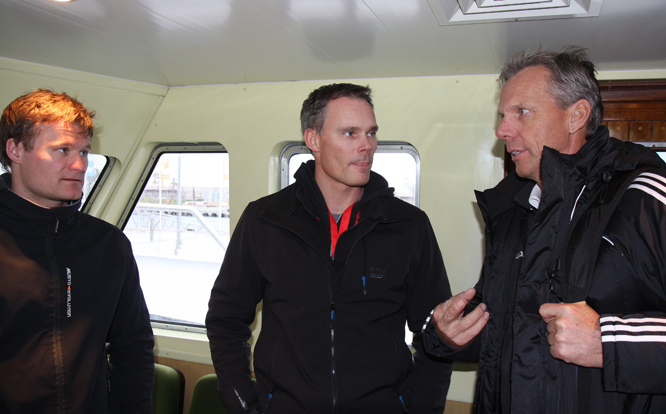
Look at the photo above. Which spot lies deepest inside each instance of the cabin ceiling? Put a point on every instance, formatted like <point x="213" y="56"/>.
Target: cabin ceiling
<point x="195" y="42"/>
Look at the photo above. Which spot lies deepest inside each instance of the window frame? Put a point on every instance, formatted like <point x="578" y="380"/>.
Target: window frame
<point x="99" y="183"/>
<point x="179" y="147"/>
<point x="158" y="151"/>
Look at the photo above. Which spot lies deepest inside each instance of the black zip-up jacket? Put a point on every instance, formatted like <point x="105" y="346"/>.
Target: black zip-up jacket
<point x="333" y="331"/>
<point x="68" y="286"/>
<point x="517" y="374"/>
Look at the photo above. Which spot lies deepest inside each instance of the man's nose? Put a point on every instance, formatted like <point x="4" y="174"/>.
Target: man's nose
<point x="79" y="163"/>
<point x="503" y="129"/>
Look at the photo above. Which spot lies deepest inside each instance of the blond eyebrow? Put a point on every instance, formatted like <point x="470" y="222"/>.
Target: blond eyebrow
<point x="64" y="142"/>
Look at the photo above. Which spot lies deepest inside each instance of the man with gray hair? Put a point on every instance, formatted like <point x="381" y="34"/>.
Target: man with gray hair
<point x="568" y="315"/>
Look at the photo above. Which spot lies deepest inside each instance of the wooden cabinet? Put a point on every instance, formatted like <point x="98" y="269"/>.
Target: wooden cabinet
<point x="635" y="110"/>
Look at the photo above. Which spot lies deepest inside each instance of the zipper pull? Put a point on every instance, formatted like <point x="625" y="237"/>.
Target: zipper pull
<point x="365" y="292"/>
<point x="56" y="225"/>
<point x="240" y="399"/>
<point x="332" y="309"/>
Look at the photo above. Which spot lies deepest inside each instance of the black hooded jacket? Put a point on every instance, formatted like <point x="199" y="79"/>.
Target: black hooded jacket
<point x="517" y="374"/>
<point x="68" y="286"/>
<point x="332" y="331"/>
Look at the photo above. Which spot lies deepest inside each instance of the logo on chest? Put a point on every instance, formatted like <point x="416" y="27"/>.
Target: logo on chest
<point x="376" y="273"/>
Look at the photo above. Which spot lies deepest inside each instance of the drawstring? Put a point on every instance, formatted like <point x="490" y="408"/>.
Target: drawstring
<point x="576" y="203"/>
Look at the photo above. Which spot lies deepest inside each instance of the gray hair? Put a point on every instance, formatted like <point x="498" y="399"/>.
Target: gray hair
<point x="572" y="77"/>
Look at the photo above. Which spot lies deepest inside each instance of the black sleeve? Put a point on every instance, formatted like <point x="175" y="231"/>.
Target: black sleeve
<point x="634" y="346"/>
<point x="231" y="310"/>
<point x="131" y="346"/>
<point x="430" y="286"/>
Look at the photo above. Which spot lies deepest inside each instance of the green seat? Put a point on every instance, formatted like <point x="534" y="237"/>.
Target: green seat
<point x="168" y="391"/>
<point x="205" y="397"/>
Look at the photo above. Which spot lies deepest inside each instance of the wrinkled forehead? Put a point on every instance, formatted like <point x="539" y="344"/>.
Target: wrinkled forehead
<point x="529" y="85"/>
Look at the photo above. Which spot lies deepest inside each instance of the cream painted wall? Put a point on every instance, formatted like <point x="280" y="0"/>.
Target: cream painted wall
<point x="450" y="120"/>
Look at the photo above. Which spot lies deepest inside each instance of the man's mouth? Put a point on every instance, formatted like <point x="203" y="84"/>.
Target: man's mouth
<point x="362" y="163"/>
<point x="75" y="180"/>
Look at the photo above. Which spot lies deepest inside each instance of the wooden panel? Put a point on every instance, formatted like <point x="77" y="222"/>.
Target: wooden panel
<point x="619" y="129"/>
<point x="659" y="131"/>
<point x="639" y="111"/>
<point x="457" y="407"/>
<point x="640" y="131"/>
<point x="633" y="90"/>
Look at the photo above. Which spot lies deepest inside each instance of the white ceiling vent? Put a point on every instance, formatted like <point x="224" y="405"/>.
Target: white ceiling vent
<point x="450" y="12"/>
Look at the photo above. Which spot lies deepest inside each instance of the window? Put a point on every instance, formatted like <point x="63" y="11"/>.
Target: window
<point x="398" y="162"/>
<point x="179" y="229"/>
<point x="97" y="166"/>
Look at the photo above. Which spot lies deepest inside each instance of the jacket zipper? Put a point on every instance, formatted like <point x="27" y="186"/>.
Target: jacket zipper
<point x="57" y="321"/>
<point x="334" y="385"/>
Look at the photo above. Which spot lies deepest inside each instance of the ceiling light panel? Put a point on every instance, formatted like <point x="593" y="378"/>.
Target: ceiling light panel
<point x="495" y="6"/>
<point x="503" y="3"/>
<point x="451" y="12"/>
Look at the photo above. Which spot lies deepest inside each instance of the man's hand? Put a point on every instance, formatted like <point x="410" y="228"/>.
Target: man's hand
<point x="452" y="327"/>
<point x="574" y="333"/>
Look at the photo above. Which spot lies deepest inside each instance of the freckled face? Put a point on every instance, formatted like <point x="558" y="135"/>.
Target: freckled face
<point x="531" y="120"/>
<point x="345" y="147"/>
<point x="52" y="173"/>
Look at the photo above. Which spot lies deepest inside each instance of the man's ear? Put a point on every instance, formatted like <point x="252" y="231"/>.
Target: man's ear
<point x="14" y="151"/>
<point x="579" y="114"/>
<point x="311" y="138"/>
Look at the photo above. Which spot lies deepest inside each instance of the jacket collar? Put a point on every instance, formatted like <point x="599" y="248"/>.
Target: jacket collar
<point x="19" y="209"/>
<point x="595" y="163"/>
<point x="311" y="197"/>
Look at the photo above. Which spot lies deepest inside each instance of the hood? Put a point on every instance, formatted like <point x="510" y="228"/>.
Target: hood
<point x="601" y="154"/>
<point x="377" y="186"/>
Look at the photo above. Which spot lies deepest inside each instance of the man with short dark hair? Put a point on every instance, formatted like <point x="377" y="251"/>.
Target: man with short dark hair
<point x="69" y="286"/>
<point x="340" y="265"/>
<point x="578" y="231"/>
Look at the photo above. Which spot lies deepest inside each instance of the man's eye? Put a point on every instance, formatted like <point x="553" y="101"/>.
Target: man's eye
<point x="62" y="150"/>
<point x="349" y="134"/>
<point x="83" y="153"/>
<point x="524" y="111"/>
<point x="372" y="134"/>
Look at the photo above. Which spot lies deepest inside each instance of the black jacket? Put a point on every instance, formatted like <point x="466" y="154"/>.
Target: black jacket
<point x="329" y="342"/>
<point x="69" y="285"/>
<point x="517" y="374"/>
